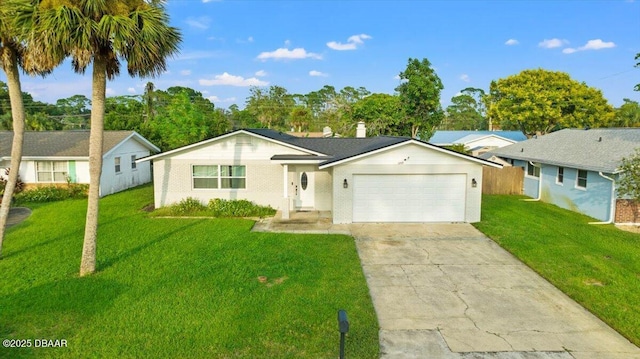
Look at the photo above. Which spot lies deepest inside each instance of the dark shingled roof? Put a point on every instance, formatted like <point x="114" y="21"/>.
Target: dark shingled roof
<point x="599" y="149"/>
<point x="59" y="143"/>
<point x="337" y="148"/>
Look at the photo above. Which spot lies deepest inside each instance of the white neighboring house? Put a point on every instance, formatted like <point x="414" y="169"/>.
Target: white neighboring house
<point x="57" y="157"/>
<point x="477" y="142"/>
<point x="375" y="179"/>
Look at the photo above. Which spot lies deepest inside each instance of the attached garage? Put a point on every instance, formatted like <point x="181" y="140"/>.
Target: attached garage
<point x="409" y="198"/>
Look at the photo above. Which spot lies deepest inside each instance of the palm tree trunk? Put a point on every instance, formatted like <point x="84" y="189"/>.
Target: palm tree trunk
<point x="17" y="114"/>
<point x="88" y="263"/>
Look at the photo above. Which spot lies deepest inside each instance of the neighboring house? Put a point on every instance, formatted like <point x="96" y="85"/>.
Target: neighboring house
<point x="53" y="157"/>
<point x="376" y="179"/>
<point x="477" y="142"/>
<point x="577" y="169"/>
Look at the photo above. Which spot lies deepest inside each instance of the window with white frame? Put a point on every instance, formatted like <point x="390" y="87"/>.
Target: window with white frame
<point x="117" y="164"/>
<point x="560" y="175"/>
<point x="581" y="180"/>
<point x="532" y="170"/>
<point x="52" y="171"/>
<point x="133" y="162"/>
<point x="218" y="176"/>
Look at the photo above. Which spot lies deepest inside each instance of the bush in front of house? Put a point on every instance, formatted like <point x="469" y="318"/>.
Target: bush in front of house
<point x="53" y="193"/>
<point x="188" y="206"/>
<point x="3" y="183"/>
<point x="239" y="208"/>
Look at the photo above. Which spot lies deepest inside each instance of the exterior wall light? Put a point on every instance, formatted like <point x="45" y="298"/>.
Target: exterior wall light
<point x="345" y="184"/>
<point x="474" y="183"/>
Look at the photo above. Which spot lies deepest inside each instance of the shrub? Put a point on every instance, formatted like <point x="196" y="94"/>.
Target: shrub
<point x="239" y="208"/>
<point x="53" y="193"/>
<point x="3" y="182"/>
<point x="187" y="206"/>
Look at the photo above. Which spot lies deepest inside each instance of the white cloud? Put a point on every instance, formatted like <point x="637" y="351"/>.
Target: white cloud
<point x="250" y="38"/>
<point x="396" y="77"/>
<point x="286" y="54"/>
<point x="352" y="43"/>
<point x="201" y="23"/>
<point x="552" y="43"/>
<point x="317" y="73"/>
<point x="131" y="90"/>
<point x="465" y="78"/>
<point x="226" y="79"/>
<point x="596" y="44"/>
<point x="110" y="92"/>
<point x="512" y="42"/>
<point x="185" y="72"/>
<point x="287" y="43"/>
<point x="261" y="73"/>
<point x="216" y="99"/>
<point x="206" y="1"/>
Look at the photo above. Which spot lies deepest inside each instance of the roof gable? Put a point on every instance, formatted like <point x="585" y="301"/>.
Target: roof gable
<point x="409" y="142"/>
<point x="66" y="143"/>
<point x="600" y="149"/>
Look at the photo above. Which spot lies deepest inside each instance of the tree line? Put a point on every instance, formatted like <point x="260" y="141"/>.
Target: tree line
<point x="179" y="116"/>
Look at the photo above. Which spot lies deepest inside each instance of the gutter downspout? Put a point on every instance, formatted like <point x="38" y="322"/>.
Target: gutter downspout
<point x="539" y="185"/>
<point x="613" y="200"/>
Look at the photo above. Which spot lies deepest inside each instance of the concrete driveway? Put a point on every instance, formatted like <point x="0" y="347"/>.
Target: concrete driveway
<point x="447" y="291"/>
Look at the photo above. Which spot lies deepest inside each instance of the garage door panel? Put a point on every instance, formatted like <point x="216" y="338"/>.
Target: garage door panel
<point x="409" y="198"/>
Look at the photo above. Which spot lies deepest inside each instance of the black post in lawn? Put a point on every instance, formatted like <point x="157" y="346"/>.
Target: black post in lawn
<point x="343" y="327"/>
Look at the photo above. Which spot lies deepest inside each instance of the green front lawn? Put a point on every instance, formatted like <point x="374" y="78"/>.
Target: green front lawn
<point x="179" y="288"/>
<point x="597" y="265"/>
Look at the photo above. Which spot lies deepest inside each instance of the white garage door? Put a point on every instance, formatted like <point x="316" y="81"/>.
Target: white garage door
<point x="409" y="198"/>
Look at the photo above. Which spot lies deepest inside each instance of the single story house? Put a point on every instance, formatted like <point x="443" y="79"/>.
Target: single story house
<point x="374" y="179"/>
<point x="55" y="157"/>
<point x="577" y="169"/>
<point x="478" y="142"/>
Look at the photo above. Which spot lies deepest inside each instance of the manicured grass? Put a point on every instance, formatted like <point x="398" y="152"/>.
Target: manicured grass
<point x="597" y="265"/>
<point x="179" y="288"/>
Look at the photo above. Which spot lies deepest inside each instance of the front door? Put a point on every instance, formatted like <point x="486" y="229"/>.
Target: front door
<point x="306" y="190"/>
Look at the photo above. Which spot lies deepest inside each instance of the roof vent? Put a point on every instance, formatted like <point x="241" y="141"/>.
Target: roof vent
<point x="522" y="150"/>
<point x="599" y="139"/>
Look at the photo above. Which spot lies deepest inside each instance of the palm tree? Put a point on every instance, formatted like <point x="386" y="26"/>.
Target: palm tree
<point x="102" y="33"/>
<point x="15" y="52"/>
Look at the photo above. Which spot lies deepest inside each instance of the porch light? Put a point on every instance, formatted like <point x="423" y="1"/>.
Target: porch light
<point x="474" y="183"/>
<point x="345" y="184"/>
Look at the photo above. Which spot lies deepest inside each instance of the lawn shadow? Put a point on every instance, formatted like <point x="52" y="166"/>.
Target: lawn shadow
<point x="57" y="308"/>
<point x="109" y="262"/>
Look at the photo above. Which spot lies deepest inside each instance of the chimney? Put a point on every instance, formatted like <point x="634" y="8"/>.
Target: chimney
<point x="326" y="132"/>
<point x="361" y="130"/>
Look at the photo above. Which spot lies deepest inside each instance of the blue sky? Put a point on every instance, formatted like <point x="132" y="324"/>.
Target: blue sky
<point x="229" y="46"/>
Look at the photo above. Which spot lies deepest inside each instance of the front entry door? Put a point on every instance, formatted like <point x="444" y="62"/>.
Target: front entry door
<point x="306" y="190"/>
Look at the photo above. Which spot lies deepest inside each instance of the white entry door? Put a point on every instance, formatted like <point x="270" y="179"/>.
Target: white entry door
<point x="409" y="198"/>
<point x="306" y="189"/>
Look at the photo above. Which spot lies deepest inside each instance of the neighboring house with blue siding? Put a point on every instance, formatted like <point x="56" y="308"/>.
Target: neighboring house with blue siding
<point x="60" y="157"/>
<point x="577" y="170"/>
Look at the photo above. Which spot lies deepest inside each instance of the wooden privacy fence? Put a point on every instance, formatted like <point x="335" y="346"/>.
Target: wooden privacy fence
<point x="507" y="180"/>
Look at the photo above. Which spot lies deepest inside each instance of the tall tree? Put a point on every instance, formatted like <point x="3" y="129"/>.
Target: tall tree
<point x="381" y="112"/>
<point x="102" y="33"/>
<point x="543" y="101"/>
<point x="420" y="97"/>
<point x="627" y="115"/>
<point x="466" y="111"/>
<point x="270" y="106"/>
<point x="15" y="45"/>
